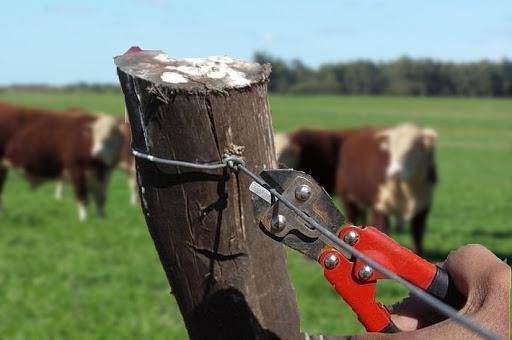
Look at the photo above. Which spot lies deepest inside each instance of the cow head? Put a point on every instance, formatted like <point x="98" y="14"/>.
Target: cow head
<point x="107" y="140"/>
<point x="409" y="147"/>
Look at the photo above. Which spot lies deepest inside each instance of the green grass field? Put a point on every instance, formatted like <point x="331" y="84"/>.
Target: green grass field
<point x="62" y="279"/>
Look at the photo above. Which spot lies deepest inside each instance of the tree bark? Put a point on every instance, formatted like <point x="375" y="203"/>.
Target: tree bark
<point x="229" y="279"/>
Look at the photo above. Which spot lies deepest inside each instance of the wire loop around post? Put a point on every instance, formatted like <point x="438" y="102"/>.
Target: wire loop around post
<point x="203" y="166"/>
<point x="233" y="162"/>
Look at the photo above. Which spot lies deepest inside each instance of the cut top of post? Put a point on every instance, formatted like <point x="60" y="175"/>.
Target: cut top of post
<point x="217" y="73"/>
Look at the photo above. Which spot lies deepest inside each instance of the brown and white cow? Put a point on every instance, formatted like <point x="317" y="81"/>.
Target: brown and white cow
<point x="126" y="163"/>
<point x="389" y="171"/>
<point x="44" y="145"/>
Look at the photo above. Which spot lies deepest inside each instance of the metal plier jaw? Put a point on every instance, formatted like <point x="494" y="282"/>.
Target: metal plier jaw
<point x="354" y="281"/>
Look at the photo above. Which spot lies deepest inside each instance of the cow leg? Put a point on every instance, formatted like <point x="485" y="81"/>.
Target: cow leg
<point x="100" y="198"/>
<point x="79" y="184"/>
<point x="352" y="212"/>
<point x="400" y="225"/>
<point x="380" y="221"/>
<point x="3" y="177"/>
<point x="418" y="225"/>
<point x="132" y="185"/>
<point x="364" y="218"/>
<point x="59" y="190"/>
<point x="97" y="183"/>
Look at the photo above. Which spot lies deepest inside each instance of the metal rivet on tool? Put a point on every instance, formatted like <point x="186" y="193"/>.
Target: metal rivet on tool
<point x="331" y="261"/>
<point x="303" y="192"/>
<point x="365" y="273"/>
<point x="278" y="222"/>
<point x="351" y="237"/>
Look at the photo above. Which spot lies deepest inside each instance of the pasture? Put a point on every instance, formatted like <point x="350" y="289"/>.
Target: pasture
<point x="60" y="278"/>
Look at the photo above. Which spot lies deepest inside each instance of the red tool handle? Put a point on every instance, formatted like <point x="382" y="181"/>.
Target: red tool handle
<point x="356" y="282"/>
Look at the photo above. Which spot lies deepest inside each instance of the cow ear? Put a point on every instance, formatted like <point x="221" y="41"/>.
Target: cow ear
<point x="382" y="137"/>
<point x="383" y="140"/>
<point x="429" y="137"/>
<point x="384" y="144"/>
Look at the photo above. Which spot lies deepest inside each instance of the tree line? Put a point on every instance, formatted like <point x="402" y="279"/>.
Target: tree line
<point x="403" y="76"/>
<point x="74" y="87"/>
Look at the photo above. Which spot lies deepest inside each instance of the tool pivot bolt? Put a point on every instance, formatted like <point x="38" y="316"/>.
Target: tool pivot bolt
<point x="365" y="273"/>
<point x="303" y="192"/>
<point x="351" y="237"/>
<point x="331" y="261"/>
<point x="278" y="223"/>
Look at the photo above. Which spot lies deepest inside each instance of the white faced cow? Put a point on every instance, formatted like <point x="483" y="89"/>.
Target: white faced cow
<point x="126" y="164"/>
<point x="43" y="145"/>
<point x="389" y="172"/>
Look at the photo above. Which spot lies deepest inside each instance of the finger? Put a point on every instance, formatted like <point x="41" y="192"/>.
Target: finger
<point x="412" y="313"/>
<point x="472" y="267"/>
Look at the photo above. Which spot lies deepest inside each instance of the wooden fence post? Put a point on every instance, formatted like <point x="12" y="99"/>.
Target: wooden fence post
<point x="229" y="279"/>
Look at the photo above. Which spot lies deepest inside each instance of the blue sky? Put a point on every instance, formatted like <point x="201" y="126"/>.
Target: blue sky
<point x="58" y="42"/>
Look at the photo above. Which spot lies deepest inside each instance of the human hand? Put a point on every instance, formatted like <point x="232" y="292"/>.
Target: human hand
<point x="480" y="276"/>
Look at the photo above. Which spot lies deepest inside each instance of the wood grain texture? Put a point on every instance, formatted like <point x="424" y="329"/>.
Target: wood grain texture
<point x="229" y="279"/>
